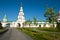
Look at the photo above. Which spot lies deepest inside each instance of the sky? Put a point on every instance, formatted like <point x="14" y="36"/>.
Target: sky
<point x="31" y="8"/>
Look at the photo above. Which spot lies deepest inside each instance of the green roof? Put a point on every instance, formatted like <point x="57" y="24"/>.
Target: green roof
<point x="5" y="16"/>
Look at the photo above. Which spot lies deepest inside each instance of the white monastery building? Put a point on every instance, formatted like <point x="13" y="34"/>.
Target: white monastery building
<point x="21" y="20"/>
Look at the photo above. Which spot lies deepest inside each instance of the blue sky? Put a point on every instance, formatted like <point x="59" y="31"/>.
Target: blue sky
<point x="31" y="8"/>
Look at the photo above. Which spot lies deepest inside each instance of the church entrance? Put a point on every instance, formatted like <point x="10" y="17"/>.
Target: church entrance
<point x="19" y="24"/>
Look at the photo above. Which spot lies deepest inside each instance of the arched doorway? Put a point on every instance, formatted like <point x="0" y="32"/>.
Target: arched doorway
<point x="19" y="25"/>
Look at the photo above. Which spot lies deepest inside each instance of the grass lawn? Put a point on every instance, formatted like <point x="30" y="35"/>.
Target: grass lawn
<point x="39" y="34"/>
<point x="2" y="29"/>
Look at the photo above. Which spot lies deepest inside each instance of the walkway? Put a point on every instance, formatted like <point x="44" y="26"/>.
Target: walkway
<point x="14" y="34"/>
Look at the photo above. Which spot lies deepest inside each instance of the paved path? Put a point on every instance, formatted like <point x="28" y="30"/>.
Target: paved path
<point x="14" y="34"/>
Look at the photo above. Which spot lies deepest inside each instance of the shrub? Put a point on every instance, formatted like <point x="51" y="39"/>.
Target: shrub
<point x="58" y="26"/>
<point x="1" y="25"/>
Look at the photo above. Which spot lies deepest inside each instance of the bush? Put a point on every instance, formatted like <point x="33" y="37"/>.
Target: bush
<point x="58" y="26"/>
<point x="1" y="26"/>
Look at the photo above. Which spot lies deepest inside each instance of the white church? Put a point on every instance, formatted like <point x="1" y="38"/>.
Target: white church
<point x="21" y="20"/>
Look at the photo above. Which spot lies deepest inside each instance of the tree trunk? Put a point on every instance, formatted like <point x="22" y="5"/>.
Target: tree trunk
<point x="53" y="25"/>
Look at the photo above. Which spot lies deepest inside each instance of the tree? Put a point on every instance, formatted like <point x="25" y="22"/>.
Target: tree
<point x="35" y="21"/>
<point x="28" y="22"/>
<point x="58" y="21"/>
<point x="50" y="15"/>
<point x="1" y="25"/>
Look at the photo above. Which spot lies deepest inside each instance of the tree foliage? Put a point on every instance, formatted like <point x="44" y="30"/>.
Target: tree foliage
<point x="50" y="15"/>
<point x="35" y="21"/>
<point x="28" y="22"/>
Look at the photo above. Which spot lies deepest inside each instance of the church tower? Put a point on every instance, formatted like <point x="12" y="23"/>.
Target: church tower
<point x="4" y="21"/>
<point x="5" y="18"/>
<point x="21" y="18"/>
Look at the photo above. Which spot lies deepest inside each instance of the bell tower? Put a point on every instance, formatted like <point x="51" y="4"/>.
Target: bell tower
<point x="21" y="18"/>
<point x="5" y="18"/>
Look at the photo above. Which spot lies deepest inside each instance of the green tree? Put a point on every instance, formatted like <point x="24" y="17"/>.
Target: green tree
<point x="58" y="21"/>
<point x="50" y="15"/>
<point x="35" y="21"/>
<point x="28" y="22"/>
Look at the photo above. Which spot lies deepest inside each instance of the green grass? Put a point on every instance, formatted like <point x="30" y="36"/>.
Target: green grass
<point x="2" y="29"/>
<point x="48" y="29"/>
<point x="36" y="33"/>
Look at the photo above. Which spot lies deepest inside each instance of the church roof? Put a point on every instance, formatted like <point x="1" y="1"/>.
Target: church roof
<point x="5" y="16"/>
